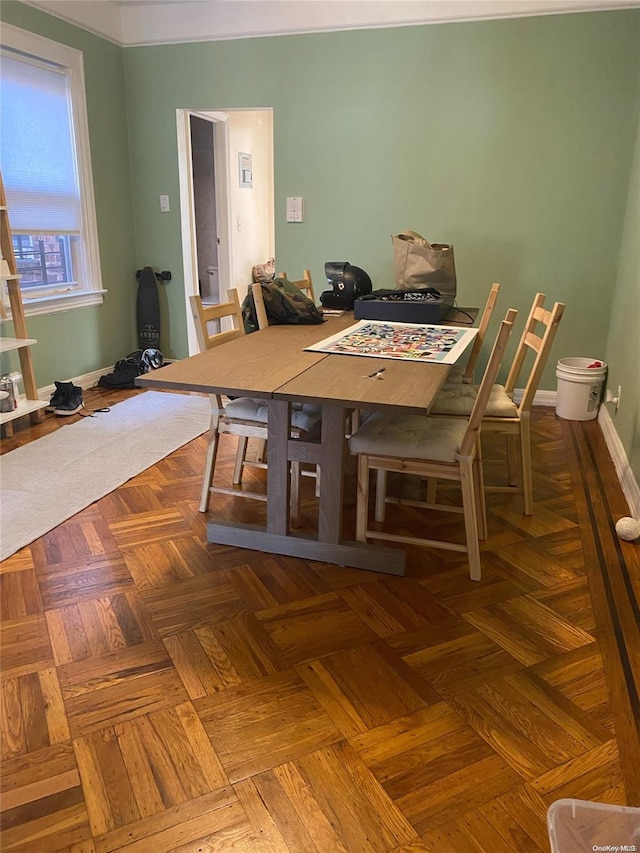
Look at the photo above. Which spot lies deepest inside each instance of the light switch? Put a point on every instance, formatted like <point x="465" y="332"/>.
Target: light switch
<point x="294" y="208"/>
<point x="164" y="204"/>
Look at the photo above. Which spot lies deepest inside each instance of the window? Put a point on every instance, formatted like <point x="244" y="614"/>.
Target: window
<point x="46" y="169"/>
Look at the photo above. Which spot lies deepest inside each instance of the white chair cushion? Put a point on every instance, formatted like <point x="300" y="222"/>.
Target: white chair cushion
<point x="459" y="400"/>
<point x="409" y="437"/>
<point x="303" y="415"/>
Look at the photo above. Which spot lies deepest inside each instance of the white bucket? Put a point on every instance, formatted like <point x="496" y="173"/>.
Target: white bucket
<point x="579" y="388"/>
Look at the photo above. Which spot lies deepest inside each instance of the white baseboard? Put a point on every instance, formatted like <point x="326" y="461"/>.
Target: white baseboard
<point x="87" y="380"/>
<point x="541" y="398"/>
<point x="544" y="398"/>
<point x="627" y="479"/>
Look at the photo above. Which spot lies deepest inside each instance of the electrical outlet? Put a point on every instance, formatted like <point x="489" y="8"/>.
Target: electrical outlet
<point x="610" y="398"/>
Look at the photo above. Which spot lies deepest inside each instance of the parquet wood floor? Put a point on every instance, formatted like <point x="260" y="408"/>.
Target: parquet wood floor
<point x="161" y="694"/>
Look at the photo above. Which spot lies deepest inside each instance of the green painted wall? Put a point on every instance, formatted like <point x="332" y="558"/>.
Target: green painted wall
<point x="76" y="342"/>
<point x="623" y="344"/>
<point x="513" y="139"/>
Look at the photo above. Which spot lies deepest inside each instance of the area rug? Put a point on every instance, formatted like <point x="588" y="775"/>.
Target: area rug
<point x="45" y="482"/>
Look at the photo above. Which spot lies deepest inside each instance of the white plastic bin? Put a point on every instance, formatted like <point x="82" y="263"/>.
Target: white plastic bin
<point x="580" y="384"/>
<point x="579" y="826"/>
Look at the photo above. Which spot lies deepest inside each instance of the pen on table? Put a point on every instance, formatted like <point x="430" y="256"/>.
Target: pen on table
<point x="377" y="372"/>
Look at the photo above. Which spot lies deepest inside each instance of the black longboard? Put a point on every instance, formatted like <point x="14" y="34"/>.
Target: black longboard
<point x="148" y="307"/>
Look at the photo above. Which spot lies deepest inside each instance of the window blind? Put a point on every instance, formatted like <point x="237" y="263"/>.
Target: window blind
<point x="37" y="150"/>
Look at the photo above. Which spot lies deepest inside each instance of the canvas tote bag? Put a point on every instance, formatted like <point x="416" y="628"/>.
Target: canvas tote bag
<point x="418" y="263"/>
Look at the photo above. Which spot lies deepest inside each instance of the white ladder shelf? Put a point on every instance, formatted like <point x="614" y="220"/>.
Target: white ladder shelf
<point x="30" y="404"/>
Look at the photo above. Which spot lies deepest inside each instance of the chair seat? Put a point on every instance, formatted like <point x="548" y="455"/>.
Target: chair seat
<point x="459" y="399"/>
<point x="409" y="437"/>
<point x="303" y="415"/>
<point x="456" y="375"/>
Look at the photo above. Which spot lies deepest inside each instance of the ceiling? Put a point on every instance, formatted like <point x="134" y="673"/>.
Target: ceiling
<point x="139" y="22"/>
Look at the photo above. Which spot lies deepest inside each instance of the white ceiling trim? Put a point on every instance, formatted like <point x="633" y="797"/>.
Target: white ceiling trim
<point x="101" y="17"/>
<point x="133" y="23"/>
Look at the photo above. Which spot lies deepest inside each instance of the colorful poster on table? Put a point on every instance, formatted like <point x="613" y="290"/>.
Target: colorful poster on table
<point x="404" y="341"/>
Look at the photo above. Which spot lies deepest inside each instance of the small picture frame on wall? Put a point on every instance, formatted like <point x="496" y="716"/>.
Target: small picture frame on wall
<point x="245" y="170"/>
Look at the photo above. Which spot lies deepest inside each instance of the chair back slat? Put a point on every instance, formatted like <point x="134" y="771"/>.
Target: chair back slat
<point x="258" y="301"/>
<point x="203" y="314"/>
<point x="488" y="380"/>
<point x="541" y="315"/>
<point x="483" y="325"/>
<point x="534" y="342"/>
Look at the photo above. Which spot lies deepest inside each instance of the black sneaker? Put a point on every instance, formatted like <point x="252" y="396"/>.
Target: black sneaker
<point x="58" y="395"/>
<point x="70" y="401"/>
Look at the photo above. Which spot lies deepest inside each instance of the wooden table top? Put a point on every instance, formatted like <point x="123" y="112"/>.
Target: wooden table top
<point x="253" y="365"/>
<point x="345" y="380"/>
<point x="274" y="363"/>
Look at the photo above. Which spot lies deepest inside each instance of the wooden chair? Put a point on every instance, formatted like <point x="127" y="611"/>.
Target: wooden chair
<point x="457" y="374"/>
<point x="203" y="314"/>
<point x="464" y="373"/>
<point x="447" y="449"/>
<point x="502" y="414"/>
<point x="244" y="417"/>
<point x="305" y="284"/>
<point x="221" y="423"/>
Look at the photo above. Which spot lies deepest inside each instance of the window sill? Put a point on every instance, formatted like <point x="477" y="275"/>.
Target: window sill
<point x="54" y="303"/>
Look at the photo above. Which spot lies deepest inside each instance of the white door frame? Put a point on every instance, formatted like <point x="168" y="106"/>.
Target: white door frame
<point x="187" y="208"/>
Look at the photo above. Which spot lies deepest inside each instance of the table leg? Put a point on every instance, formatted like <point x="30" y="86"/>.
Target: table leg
<point x="277" y="538"/>
<point x="332" y="471"/>
<point x="278" y="482"/>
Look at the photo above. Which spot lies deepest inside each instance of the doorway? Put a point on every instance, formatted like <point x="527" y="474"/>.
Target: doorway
<point x="227" y="222"/>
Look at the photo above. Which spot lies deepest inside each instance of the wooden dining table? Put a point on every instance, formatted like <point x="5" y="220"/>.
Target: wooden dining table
<point x="273" y="364"/>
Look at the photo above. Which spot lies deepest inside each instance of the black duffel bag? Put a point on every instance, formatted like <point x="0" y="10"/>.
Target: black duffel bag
<point x="127" y="369"/>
